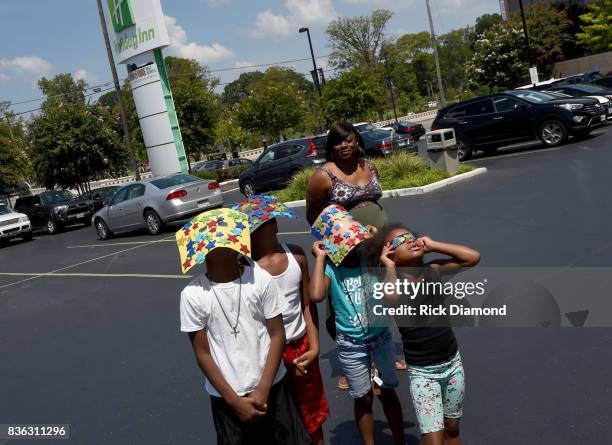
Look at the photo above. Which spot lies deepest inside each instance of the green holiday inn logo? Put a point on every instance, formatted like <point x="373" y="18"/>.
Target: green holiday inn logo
<point x="121" y="13"/>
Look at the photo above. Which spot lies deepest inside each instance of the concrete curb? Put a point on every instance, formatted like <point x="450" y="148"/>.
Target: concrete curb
<point x="414" y="190"/>
<point x="226" y="186"/>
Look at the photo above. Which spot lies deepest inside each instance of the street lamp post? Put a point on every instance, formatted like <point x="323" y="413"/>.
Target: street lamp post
<point x="315" y="73"/>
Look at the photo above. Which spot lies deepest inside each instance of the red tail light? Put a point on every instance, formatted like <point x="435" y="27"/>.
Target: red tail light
<point x="384" y="145"/>
<point x="410" y="128"/>
<point x="213" y="185"/>
<point x="176" y="194"/>
<point x="312" y="149"/>
<point x="434" y="126"/>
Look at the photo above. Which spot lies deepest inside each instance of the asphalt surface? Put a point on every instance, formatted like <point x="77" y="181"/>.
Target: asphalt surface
<point x="100" y="350"/>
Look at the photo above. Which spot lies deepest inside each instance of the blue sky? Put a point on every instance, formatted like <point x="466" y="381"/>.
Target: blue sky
<point x="46" y="37"/>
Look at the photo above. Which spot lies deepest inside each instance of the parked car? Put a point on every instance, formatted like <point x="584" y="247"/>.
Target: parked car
<point x="54" y="210"/>
<point x="207" y="165"/>
<point x="488" y="122"/>
<point x="364" y="126"/>
<point x="95" y="198"/>
<point x="410" y="128"/>
<point x="379" y="143"/>
<point x="279" y="162"/>
<point x="603" y="95"/>
<point x="14" y="224"/>
<point x="228" y="168"/>
<point x="605" y="82"/>
<point x="197" y="165"/>
<point x="151" y="203"/>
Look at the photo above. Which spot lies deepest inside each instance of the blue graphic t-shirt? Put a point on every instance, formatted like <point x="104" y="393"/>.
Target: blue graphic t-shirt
<point x="348" y="315"/>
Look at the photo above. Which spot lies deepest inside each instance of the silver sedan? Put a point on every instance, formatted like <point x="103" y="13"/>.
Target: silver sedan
<point x="153" y="202"/>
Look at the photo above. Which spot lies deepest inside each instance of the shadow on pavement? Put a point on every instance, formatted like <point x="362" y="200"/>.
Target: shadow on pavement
<point x="346" y="433"/>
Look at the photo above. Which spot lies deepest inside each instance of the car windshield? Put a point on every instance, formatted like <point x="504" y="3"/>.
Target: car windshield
<point x="592" y="89"/>
<point x="376" y="134"/>
<point x="172" y="181"/>
<point x="108" y="193"/>
<point x="58" y="197"/>
<point x="5" y="210"/>
<point x="536" y="97"/>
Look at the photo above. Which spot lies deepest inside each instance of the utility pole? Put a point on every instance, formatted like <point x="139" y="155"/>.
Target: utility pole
<point x="525" y="34"/>
<point x="124" y="122"/>
<point x="391" y="88"/>
<point x="315" y="76"/>
<point x="435" y="48"/>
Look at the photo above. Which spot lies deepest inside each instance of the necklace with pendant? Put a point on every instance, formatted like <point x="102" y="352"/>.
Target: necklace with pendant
<point x="234" y="327"/>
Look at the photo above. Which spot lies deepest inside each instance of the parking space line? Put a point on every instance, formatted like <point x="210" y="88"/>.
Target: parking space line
<point x="79" y="264"/>
<point x="165" y="240"/>
<point x="97" y="275"/>
<point x="500" y="156"/>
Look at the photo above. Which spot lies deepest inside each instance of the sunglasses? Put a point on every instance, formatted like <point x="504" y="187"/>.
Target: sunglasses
<point x="401" y="239"/>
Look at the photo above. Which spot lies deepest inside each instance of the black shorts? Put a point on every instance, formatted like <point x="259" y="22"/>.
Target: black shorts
<point x="282" y="424"/>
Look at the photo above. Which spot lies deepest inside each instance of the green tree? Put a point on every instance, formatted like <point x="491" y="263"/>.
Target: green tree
<point x="455" y="52"/>
<point x="486" y="22"/>
<point x="237" y="90"/>
<point x="71" y="142"/>
<point x="197" y="105"/>
<point x="228" y="131"/>
<point x="356" y="41"/>
<point x="499" y="58"/>
<point x="14" y="164"/>
<point x="596" y="33"/>
<point x="355" y="95"/>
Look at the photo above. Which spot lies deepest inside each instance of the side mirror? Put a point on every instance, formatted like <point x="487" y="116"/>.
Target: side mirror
<point x="36" y="204"/>
<point x="106" y="202"/>
<point x="518" y="107"/>
<point x="97" y="198"/>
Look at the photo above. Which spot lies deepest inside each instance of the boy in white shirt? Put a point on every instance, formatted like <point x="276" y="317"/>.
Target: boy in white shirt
<point x="233" y="315"/>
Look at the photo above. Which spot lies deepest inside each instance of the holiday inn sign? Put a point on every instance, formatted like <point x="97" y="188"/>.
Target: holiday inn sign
<point x="121" y="14"/>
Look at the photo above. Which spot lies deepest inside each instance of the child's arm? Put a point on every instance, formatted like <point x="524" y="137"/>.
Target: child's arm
<point x="461" y="256"/>
<point x="245" y="407"/>
<point x="390" y="273"/>
<point x="309" y="309"/>
<point x="318" y="282"/>
<point x="276" y="330"/>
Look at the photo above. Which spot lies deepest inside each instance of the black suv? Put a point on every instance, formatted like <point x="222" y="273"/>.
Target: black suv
<point x="279" y="162"/>
<point x="54" y="210"/>
<point x="514" y="116"/>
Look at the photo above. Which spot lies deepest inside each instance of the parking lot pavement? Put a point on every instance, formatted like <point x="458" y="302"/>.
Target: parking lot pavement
<point x="96" y="345"/>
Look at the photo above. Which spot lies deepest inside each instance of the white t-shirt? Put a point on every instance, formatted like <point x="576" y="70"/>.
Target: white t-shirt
<point x="240" y="358"/>
<point x="289" y="284"/>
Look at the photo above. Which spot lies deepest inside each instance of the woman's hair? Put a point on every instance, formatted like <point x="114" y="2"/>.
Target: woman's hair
<point x="372" y="248"/>
<point x="337" y="133"/>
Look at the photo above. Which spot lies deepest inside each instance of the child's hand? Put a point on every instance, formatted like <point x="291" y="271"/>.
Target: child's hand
<point x="317" y="249"/>
<point x="260" y="399"/>
<point x="247" y="410"/>
<point x="386" y="261"/>
<point x="426" y="242"/>
<point x="303" y="361"/>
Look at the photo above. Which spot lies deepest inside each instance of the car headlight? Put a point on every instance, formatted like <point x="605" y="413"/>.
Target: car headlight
<point x="24" y="219"/>
<point x="60" y="209"/>
<point x="570" y="107"/>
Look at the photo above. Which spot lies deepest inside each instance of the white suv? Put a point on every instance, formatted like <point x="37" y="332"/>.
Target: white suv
<point x="13" y="224"/>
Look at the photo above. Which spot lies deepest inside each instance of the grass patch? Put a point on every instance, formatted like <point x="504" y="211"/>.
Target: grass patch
<point x="401" y="170"/>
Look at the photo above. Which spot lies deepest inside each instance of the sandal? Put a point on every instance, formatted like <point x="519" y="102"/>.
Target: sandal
<point x="400" y="365"/>
<point x="342" y="383"/>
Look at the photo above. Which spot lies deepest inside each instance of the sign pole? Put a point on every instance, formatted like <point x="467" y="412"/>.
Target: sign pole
<point x="124" y="122"/>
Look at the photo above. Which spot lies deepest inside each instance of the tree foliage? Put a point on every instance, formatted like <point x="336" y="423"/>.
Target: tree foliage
<point x="356" y="41"/>
<point x="14" y="165"/>
<point x="70" y="142"/>
<point x="596" y="33"/>
<point x="353" y="96"/>
<point x="239" y="89"/>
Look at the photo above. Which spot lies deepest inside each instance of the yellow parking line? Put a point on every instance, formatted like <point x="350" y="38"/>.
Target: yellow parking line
<point x="80" y="263"/>
<point x="103" y="275"/>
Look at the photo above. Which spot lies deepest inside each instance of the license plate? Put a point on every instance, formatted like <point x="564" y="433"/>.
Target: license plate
<point x="80" y="215"/>
<point x="602" y="117"/>
<point x="202" y="204"/>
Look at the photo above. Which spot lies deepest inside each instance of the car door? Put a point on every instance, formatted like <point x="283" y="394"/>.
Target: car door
<point x="116" y="211"/>
<point x="265" y="165"/>
<point x="133" y="206"/>
<point x="511" y="119"/>
<point x="480" y="126"/>
<point x="37" y="211"/>
<point x="286" y="163"/>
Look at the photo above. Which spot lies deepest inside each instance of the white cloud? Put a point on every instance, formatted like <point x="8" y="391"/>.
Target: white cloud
<point x="28" y="65"/>
<point x="85" y="75"/>
<point x="181" y="46"/>
<point x="298" y="13"/>
<point x="4" y="77"/>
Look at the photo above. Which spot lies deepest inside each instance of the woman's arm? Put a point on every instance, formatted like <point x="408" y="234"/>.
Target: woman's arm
<point x="461" y="256"/>
<point x="317" y="190"/>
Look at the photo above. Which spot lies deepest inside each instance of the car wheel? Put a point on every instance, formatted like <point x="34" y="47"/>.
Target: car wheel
<point x="52" y="226"/>
<point x="103" y="231"/>
<point x="552" y="133"/>
<point x="153" y="222"/>
<point x="249" y="189"/>
<point x="27" y="236"/>
<point x="464" y="149"/>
